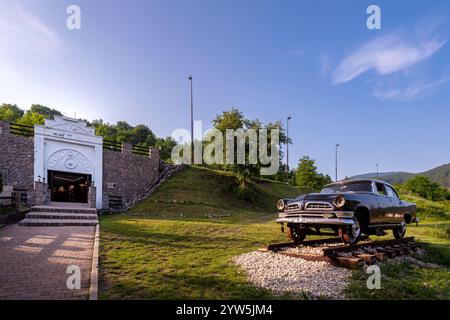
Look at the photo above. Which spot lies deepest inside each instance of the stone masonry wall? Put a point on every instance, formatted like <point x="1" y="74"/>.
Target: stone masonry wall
<point x="16" y="158"/>
<point x="128" y="175"/>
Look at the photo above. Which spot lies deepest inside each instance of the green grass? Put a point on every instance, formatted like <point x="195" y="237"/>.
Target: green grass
<point x="199" y="192"/>
<point x="145" y="258"/>
<point x="430" y="210"/>
<point x="405" y="280"/>
<point x="163" y="249"/>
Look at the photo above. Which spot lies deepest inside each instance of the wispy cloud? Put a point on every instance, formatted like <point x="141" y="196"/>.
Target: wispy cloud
<point x="412" y="91"/>
<point x="21" y="32"/>
<point x="385" y="55"/>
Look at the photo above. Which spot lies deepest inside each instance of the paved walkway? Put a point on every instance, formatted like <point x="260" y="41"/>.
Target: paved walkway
<point x="34" y="261"/>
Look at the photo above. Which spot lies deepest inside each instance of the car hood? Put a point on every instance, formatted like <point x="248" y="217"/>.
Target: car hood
<point x="316" y="197"/>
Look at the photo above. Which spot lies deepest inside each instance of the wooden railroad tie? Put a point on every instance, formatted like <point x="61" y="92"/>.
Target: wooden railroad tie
<point x="348" y="256"/>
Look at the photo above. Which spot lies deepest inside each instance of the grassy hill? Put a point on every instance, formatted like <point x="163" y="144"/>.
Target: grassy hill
<point x="180" y="242"/>
<point x="199" y="192"/>
<point x="439" y="174"/>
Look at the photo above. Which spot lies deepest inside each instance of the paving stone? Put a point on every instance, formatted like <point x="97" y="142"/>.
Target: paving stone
<point x="35" y="274"/>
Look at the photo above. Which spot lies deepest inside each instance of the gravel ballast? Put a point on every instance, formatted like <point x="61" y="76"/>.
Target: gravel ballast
<point x="282" y="274"/>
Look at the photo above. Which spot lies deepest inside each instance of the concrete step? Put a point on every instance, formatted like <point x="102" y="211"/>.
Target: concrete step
<point x="64" y="209"/>
<point x="61" y="215"/>
<point x="58" y="222"/>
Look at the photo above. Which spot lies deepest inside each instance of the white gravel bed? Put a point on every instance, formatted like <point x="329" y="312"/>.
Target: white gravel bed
<point x="314" y="249"/>
<point x="281" y="274"/>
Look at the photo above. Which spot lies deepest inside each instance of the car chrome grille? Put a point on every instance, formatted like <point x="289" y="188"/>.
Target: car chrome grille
<point x="318" y="206"/>
<point x="292" y="207"/>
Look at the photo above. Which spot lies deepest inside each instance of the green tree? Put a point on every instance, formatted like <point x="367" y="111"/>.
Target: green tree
<point x="45" y="111"/>
<point x="233" y="119"/>
<point x="141" y="134"/>
<point x="425" y="188"/>
<point x="165" y="146"/>
<point x="307" y="175"/>
<point x="245" y="173"/>
<point x="31" y="118"/>
<point x="10" y="112"/>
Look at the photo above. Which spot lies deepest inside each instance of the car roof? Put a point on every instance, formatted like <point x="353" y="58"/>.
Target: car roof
<point x="350" y="181"/>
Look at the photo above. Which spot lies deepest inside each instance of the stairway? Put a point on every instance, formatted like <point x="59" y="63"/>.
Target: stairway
<point x="61" y="214"/>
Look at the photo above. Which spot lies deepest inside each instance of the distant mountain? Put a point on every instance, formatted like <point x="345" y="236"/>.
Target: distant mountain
<point x="439" y="174"/>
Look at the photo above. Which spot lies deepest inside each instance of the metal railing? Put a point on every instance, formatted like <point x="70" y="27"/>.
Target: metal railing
<point x="21" y="129"/>
<point x="112" y="145"/>
<point x="141" y="150"/>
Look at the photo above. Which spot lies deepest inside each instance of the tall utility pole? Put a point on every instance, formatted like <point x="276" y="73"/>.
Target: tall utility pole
<point x="192" y="122"/>
<point x="377" y="171"/>
<point x="287" y="147"/>
<point x="336" y="163"/>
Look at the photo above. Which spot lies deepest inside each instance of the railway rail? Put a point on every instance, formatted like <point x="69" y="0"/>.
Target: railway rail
<point x="347" y="256"/>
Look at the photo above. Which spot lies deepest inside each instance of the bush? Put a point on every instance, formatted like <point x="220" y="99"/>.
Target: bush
<point x="425" y="188"/>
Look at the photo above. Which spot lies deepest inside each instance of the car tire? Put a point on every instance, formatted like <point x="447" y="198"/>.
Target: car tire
<point x="351" y="234"/>
<point x="400" y="231"/>
<point x="296" y="233"/>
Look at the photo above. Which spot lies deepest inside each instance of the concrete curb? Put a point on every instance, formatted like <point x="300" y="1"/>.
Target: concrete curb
<point x="93" y="290"/>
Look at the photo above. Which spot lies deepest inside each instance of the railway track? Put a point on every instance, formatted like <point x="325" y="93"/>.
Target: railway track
<point x="348" y="256"/>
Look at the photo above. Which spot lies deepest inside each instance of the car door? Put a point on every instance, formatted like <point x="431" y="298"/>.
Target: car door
<point x="397" y="206"/>
<point x="386" y="204"/>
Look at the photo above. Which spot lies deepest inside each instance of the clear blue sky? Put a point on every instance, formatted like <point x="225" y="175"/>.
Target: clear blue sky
<point x="382" y="94"/>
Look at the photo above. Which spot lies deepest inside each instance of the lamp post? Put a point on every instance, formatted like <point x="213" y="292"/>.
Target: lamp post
<point x="377" y="171"/>
<point x="192" y="121"/>
<point x="336" y="162"/>
<point x="287" y="147"/>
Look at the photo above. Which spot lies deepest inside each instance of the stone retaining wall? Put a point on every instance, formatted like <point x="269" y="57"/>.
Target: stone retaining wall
<point x="16" y="158"/>
<point x="127" y="174"/>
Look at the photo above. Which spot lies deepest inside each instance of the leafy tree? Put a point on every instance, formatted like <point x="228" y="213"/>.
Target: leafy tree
<point x="165" y="146"/>
<point x="425" y="188"/>
<point x="120" y="132"/>
<point x="141" y="134"/>
<point x="31" y="118"/>
<point x="307" y="175"/>
<point x="45" y="111"/>
<point x="10" y="112"/>
<point x="233" y="119"/>
<point x="245" y="173"/>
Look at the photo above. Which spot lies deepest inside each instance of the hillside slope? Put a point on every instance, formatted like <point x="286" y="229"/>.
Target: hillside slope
<point x="439" y="174"/>
<point x="198" y="192"/>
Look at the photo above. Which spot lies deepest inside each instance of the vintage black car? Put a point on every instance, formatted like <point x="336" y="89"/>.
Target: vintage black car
<point x="347" y="208"/>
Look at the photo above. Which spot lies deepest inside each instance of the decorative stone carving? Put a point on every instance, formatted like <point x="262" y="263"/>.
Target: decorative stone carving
<point x="69" y="124"/>
<point x="69" y="159"/>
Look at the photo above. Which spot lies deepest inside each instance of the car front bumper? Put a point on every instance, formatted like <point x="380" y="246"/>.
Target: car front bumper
<point x="317" y="218"/>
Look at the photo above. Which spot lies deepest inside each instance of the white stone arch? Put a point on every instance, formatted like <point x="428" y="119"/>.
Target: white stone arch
<point x="69" y="145"/>
<point x="69" y="160"/>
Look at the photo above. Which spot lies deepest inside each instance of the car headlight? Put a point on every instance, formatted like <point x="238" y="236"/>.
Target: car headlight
<point x="339" y="202"/>
<point x="281" y="204"/>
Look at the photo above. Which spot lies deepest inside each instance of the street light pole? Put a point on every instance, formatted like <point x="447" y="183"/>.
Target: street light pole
<point x="336" y="162"/>
<point x="192" y="121"/>
<point x="287" y="148"/>
<point x="377" y="171"/>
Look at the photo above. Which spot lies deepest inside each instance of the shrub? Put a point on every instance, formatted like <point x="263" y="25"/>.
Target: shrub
<point x="425" y="188"/>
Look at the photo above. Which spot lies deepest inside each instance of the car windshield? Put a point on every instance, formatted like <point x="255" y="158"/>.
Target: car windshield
<point x="349" y="187"/>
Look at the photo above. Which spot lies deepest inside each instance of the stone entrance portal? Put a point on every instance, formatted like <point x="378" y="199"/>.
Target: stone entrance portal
<point x="68" y="187"/>
<point x="69" y="158"/>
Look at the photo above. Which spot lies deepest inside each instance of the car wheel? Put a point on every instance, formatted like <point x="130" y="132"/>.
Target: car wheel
<point x="296" y="233"/>
<point x="400" y="231"/>
<point x="351" y="234"/>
